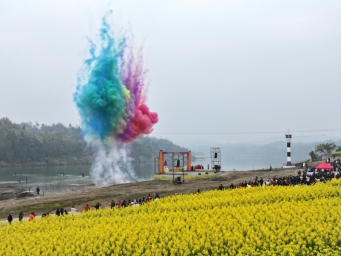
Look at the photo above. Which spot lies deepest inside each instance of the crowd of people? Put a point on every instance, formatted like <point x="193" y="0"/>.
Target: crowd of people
<point x="126" y="203"/>
<point x="336" y="163"/>
<point x="113" y="204"/>
<point x="306" y="177"/>
<point x="31" y="217"/>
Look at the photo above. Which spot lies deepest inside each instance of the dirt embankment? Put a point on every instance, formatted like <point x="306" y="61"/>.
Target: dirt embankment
<point x="8" y="193"/>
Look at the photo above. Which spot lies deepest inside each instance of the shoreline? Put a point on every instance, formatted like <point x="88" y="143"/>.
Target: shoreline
<point x="129" y="191"/>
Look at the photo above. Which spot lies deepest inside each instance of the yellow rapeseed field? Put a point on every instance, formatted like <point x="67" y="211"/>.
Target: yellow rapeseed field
<point x="301" y="220"/>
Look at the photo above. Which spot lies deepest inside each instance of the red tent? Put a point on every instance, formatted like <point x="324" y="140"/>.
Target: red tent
<point x="324" y="166"/>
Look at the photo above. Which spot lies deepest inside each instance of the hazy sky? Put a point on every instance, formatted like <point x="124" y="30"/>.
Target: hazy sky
<point x="215" y="66"/>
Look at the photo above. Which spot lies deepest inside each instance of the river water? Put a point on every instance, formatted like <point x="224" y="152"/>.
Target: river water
<point x="53" y="179"/>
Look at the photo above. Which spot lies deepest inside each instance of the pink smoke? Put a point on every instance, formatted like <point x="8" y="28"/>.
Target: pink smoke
<point x="141" y="123"/>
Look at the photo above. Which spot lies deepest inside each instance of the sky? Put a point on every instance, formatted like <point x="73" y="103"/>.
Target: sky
<point x="231" y="67"/>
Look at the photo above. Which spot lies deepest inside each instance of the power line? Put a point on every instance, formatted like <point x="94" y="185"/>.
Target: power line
<point x="233" y="133"/>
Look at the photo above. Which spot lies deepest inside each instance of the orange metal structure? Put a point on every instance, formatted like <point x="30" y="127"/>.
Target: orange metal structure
<point x="162" y="160"/>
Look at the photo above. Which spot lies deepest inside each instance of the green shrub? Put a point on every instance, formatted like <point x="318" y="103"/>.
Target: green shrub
<point x="337" y="153"/>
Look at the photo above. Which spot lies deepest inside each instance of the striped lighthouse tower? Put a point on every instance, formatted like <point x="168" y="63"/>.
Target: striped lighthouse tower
<point x="288" y="137"/>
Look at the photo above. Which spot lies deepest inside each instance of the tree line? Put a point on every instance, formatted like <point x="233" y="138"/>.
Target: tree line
<point x="35" y="144"/>
<point x="146" y="148"/>
<point x="31" y="143"/>
<point x="324" y="149"/>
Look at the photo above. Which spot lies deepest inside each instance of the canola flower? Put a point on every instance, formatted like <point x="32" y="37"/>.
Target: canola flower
<point x="301" y="220"/>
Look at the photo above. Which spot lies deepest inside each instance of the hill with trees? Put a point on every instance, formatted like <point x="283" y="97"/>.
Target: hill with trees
<point x="56" y="144"/>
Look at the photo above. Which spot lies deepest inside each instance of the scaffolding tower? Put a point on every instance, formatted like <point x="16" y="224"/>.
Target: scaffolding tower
<point x="216" y="159"/>
<point x="178" y="163"/>
<point x="179" y="160"/>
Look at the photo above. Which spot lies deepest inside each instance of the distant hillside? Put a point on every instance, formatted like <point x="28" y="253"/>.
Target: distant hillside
<point x="56" y="144"/>
<point x="32" y="144"/>
<point x="272" y="152"/>
<point x="146" y="148"/>
<point x="275" y="151"/>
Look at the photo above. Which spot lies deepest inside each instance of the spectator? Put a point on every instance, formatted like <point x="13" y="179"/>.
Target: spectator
<point x="73" y="209"/>
<point x="10" y="218"/>
<point x="31" y="216"/>
<point x="261" y="181"/>
<point x="87" y="207"/>
<point x="97" y="206"/>
<point x="124" y="204"/>
<point x="21" y="216"/>
<point x="112" y="205"/>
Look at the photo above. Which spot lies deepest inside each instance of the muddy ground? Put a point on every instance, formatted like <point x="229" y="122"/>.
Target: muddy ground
<point x="104" y="195"/>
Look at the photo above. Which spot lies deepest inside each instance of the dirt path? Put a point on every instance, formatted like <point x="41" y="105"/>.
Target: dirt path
<point x="104" y="195"/>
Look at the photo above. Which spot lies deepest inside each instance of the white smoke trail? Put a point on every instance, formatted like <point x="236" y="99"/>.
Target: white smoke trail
<point x="111" y="164"/>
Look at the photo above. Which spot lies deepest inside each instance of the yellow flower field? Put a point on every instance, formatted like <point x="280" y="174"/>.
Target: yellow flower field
<point x="302" y="220"/>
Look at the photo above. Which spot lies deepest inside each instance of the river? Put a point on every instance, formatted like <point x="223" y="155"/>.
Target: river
<point x="53" y="179"/>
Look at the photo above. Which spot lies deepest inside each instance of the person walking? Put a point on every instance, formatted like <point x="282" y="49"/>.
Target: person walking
<point x="97" y="206"/>
<point x="73" y="209"/>
<point x="21" y="216"/>
<point x="38" y="190"/>
<point x="112" y="205"/>
<point x="87" y="207"/>
<point x="10" y="219"/>
<point x="31" y="216"/>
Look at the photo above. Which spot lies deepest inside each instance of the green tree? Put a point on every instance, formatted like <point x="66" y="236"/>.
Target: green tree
<point x="326" y="148"/>
<point x="312" y="155"/>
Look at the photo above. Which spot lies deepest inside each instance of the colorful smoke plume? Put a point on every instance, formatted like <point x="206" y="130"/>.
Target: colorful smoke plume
<point x="110" y="99"/>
